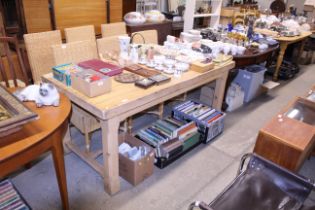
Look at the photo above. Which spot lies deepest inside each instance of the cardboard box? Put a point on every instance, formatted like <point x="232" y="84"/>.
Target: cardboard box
<point x="62" y="72"/>
<point x="135" y="171"/>
<point x="82" y="82"/>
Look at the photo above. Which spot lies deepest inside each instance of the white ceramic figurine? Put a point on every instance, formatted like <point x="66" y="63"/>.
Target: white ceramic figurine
<point x="44" y="94"/>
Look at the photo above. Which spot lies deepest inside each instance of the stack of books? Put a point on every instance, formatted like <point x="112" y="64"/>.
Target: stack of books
<point x="208" y="119"/>
<point x="169" y="137"/>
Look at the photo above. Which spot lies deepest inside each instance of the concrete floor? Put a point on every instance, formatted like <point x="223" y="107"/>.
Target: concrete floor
<point x="199" y="175"/>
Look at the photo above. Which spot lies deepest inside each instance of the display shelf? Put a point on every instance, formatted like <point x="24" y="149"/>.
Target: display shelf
<point x="205" y="15"/>
<point x="190" y="13"/>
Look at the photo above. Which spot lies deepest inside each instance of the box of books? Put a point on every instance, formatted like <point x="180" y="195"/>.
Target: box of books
<point x="136" y="159"/>
<point x="209" y="121"/>
<point x="171" y="139"/>
<point x="63" y="72"/>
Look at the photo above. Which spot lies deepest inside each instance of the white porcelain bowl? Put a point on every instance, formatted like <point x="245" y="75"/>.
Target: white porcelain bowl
<point x="134" y="18"/>
<point x="154" y="16"/>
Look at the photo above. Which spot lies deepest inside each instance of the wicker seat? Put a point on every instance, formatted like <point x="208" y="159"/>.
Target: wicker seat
<point x="149" y="36"/>
<point x="80" y="33"/>
<point x="12" y="66"/>
<point x="113" y="29"/>
<point x="76" y="52"/>
<point x="39" y="51"/>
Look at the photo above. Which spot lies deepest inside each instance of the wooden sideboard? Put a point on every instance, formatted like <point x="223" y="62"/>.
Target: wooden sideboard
<point x="286" y="141"/>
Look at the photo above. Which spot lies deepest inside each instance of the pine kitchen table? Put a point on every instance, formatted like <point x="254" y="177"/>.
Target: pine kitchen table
<point x="126" y="100"/>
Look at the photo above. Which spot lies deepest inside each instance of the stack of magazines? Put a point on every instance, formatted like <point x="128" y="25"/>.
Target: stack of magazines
<point x="208" y="120"/>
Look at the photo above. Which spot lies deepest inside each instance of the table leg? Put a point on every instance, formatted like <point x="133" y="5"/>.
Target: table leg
<point x="302" y="44"/>
<point x="58" y="157"/>
<point x="283" y="47"/>
<point x="219" y="91"/>
<point x="110" y="155"/>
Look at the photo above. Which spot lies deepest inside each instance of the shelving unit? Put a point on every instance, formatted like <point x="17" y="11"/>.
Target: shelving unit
<point x="191" y="15"/>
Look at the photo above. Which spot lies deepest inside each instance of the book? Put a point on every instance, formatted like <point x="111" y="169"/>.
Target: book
<point x="103" y="67"/>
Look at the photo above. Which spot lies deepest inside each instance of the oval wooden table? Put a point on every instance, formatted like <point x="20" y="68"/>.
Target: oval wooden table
<point x="36" y="138"/>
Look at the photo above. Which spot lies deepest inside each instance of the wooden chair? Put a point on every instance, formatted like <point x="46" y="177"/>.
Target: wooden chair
<point x="80" y="33"/>
<point x="238" y="18"/>
<point x="76" y="52"/>
<point x="147" y="36"/>
<point x="10" y="70"/>
<point x="39" y="51"/>
<point x="108" y="47"/>
<point x="113" y="29"/>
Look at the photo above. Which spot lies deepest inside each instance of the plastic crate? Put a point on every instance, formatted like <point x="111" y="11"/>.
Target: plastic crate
<point x="185" y="138"/>
<point x="208" y="130"/>
<point x="250" y="79"/>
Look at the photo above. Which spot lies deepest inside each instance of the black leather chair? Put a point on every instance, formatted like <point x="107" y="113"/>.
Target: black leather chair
<point x="263" y="185"/>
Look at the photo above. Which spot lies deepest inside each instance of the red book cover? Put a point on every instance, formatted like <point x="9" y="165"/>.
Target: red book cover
<point x="101" y="66"/>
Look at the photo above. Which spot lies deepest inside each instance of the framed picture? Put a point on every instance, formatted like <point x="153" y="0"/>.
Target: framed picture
<point x="13" y="113"/>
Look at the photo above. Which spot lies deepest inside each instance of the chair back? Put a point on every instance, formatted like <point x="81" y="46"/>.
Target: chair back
<point x="12" y="66"/>
<point x="80" y="33"/>
<point x="2" y="33"/>
<point x="108" y="47"/>
<point x="74" y="52"/>
<point x="149" y="36"/>
<point x="39" y="51"/>
<point x="238" y="18"/>
<point x="113" y="29"/>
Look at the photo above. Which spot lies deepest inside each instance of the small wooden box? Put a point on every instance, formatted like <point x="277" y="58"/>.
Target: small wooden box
<point x="201" y="66"/>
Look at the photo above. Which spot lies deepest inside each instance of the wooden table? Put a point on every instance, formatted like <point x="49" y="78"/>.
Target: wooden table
<point x="284" y="42"/>
<point x="246" y="60"/>
<point x="36" y="138"/>
<point x="126" y="100"/>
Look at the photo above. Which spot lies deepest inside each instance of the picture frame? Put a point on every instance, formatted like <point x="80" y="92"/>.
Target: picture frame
<point x="14" y="113"/>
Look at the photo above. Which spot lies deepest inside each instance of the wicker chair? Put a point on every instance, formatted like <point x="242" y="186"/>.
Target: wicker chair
<point x="77" y="52"/>
<point x="80" y="33"/>
<point x="150" y="37"/>
<point x="40" y="54"/>
<point x="113" y="29"/>
<point x="12" y="66"/>
<point x="108" y="47"/>
<point x="74" y="52"/>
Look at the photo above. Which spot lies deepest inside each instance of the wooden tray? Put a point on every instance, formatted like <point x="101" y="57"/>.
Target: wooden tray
<point x="142" y="71"/>
<point x="14" y="113"/>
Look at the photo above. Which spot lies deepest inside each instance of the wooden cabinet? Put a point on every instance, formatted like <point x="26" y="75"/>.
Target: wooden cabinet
<point x="37" y="15"/>
<point x="13" y="18"/>
<point x="286" y="141"/>
<point x="30" y="16"/>
<point x="69" y="13"/>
